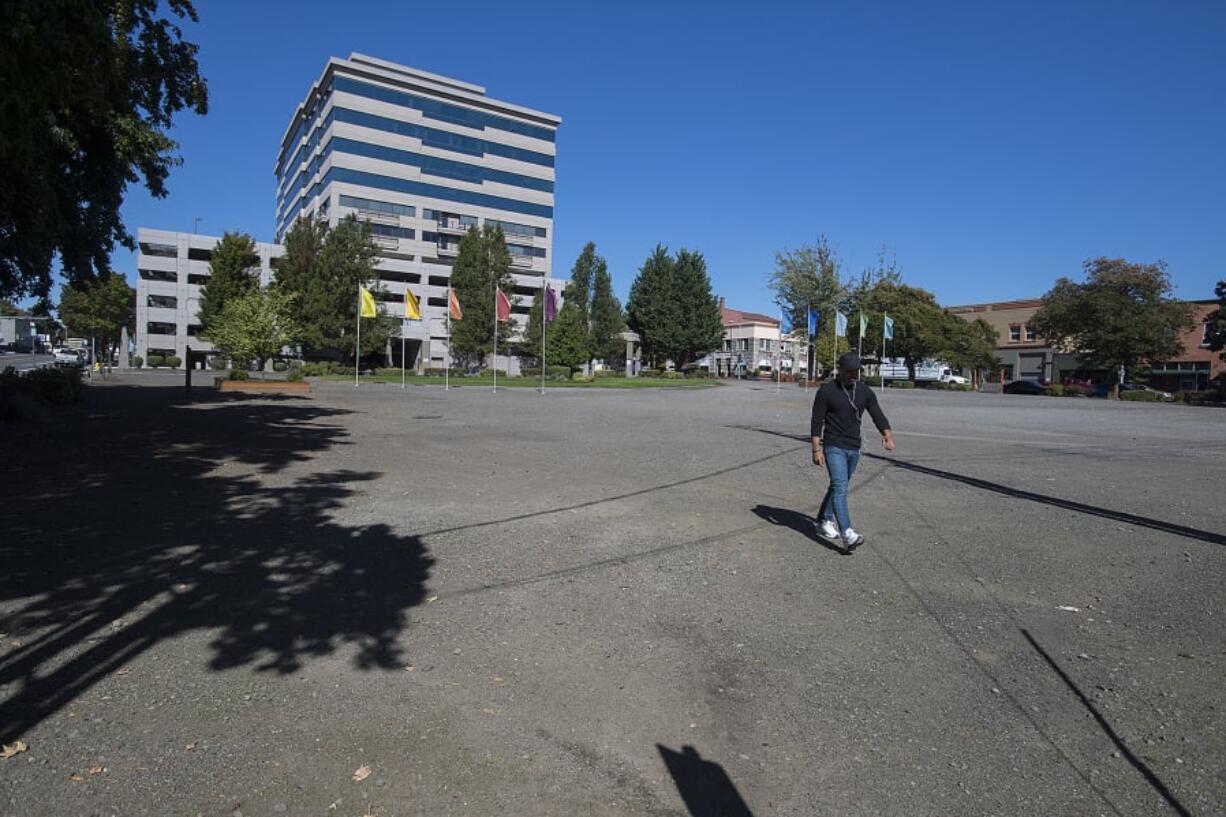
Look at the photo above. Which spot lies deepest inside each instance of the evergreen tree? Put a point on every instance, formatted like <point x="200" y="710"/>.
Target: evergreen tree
<point x="482" y="264"/>
<point x="579" y="290"/>
<point x="235" y="268"/>
<point x="567" y="341"/>
<point x="701" y="328"/>
<point x="323" y="268"/>
<point x="650" y="309"/>
<point x="607" y="320"/>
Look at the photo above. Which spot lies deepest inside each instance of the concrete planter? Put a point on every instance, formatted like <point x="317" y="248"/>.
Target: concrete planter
<point x="263" y="386"/>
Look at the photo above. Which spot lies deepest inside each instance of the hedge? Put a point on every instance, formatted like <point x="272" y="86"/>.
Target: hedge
<point x="49" y="386"/>
<point x="137" y="362"/>
<point x="238" y="374"/>
<point x="173" y="361"/>
<point x="280" y="366"/>
<point x="1141" y="396"/>
<point x="155" y="360"/>
<point x="902" y="384"/>
<point x="217" y="363"/>
<point x="1199" y="398"/>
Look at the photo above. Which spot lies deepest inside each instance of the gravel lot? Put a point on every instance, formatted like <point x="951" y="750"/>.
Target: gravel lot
<point x="608" y="603"/>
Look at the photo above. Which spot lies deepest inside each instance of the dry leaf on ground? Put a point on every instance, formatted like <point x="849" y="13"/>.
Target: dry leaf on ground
<point x="191" y="747"/>
<point x="11" y="749"/>
<point x="361" y="774"/>
<point x="95" y="770"/>
<point x="75" y="778"/>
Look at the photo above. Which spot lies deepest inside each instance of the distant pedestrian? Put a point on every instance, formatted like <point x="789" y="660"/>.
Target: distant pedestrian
<point x="835" y="429"/>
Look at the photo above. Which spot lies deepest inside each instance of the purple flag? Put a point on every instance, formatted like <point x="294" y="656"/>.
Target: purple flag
<point x="551" y="304"/>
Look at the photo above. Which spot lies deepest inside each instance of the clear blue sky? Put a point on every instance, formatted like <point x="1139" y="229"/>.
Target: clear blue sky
<point x="991" y="147"/>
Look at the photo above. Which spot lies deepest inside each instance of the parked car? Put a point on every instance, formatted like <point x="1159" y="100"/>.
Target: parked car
<point x="956" y="379"/>
<point x="1025" y="387"/>
<point x="67" y="357"/>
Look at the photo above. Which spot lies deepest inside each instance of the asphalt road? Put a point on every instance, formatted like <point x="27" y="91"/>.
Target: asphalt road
<point x="23" y="361"/>
<point x="608" y="603"/>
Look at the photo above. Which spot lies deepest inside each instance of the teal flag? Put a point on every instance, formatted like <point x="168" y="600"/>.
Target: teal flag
<point x="889" y="328"/>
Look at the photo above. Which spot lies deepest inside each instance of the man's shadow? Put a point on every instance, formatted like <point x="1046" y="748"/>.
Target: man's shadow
<point x="703" y="784"/>
<point x="799" y="522"/>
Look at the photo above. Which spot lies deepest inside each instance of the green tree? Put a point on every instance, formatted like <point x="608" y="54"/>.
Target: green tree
<point x="323" y="268"/>
<point x="651" y="310"/>
<point x="482" y="264"/>
<point x="701" y="329"/>
<point x="10" y="309"/>
<point x="808" y="277"/>
<point x="969" y="344"/>
<point x="1122" y="315"/>
<point x="89" y="90"/>
<point x="607" y="319"/>
<point x="567" y="339"/>
<point x="99" y="309"/>
<point x="1215" y="330"/>
<point x="921" y="327"/>
<point x="235" y="271"/>
<point x="255" y="326"/>
<point x="859" y="300"/>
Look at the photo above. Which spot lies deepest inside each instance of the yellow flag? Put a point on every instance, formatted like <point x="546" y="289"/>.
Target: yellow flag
<point x="366" y="307"/>
<point x="412" y="308"/>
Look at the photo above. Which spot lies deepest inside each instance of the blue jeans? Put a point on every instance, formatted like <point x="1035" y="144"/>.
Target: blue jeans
<point x="840" y="465"/>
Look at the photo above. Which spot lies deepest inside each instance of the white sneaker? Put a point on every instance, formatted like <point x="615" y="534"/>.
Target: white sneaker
<point x="828" y="529"/>
<point x="851" y="539"/>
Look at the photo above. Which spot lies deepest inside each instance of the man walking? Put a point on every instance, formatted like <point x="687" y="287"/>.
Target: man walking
<point x="835" y="428"/>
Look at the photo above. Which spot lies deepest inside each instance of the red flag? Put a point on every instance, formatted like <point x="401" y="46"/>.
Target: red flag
<point x="453" y="305"/>
<point x="504" y="307"/>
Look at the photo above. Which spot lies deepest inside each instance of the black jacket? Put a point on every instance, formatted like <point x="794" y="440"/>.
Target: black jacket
<point x="837" y="411"/>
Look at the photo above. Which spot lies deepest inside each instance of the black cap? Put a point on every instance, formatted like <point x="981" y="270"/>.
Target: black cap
<point x="849" y="362"/>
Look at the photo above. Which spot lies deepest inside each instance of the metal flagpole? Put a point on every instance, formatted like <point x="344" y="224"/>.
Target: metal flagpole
<point x="447" y="356"/>
<point x="403" y="321"/>
<point x="836" y="339"/>
<point x="357" y="346"/>
<point x="860" y="346"/>
<point x="494" y="359"/>
<point x="544" y="309"/>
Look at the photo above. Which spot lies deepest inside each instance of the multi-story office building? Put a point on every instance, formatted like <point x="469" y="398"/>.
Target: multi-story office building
<point x="171" y="268"/>
<point x="422" y="158"/>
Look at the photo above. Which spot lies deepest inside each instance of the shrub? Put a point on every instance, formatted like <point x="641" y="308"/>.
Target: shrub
<point x="581" y="378"/>
<point x="603" y="373"/>
<point x="280" y="366"/>
<point x="155" y="360"/>
<point x="1073" y="390"/>
<point x="173" y="361"/>
<point x="217" y="363"/>
<point x="439" y="371"/>
<point x="52" y="386"/>
<point x="388" y="371"/>
<point x="238" y="374"/>
<point x="1198" y="398"/>
<point x="902" y="384"/>
<point x="1141" y="396"/>
<point x="294" y="376"/>
<point x="137" y="362"/>
<point x="1055" y="390"/>
<point x="666" y="375"/>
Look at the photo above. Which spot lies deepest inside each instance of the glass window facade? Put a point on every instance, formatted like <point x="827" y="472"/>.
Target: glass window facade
<point x="511" y="228"/>
<point x="441" y="139"/>
<point x="446" y="168"/>
<point x="391" y="232"/>
<point x="160" y="250"/>
<point x="378" y="206"/>
<point x="442" y="111"/>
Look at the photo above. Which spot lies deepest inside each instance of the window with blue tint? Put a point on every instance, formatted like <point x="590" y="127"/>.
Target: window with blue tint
<point x="460" y="171"/>
<point x="511" y="228"/>
<point x="444" y="111"/>
<point x="378" y="206"/>
<point x="531" y="252"/>
<point x="390" y="231"/>
<point x="444" y="140"/>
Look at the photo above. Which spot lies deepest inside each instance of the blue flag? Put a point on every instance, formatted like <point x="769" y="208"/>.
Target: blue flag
<point x="785" y="323"/>
<point x="840" y="324"/>
<point x="814" y="322"/>
<point x="889" y="328"/>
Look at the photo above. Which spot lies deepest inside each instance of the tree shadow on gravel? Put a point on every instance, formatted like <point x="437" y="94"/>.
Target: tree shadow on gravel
<point x="143" y="516"/>
<point x="704" y="786"/>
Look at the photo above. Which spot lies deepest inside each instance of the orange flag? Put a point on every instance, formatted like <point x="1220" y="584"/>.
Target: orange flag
<point x="453" y="304"/>
<point x="504" y="307"/>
